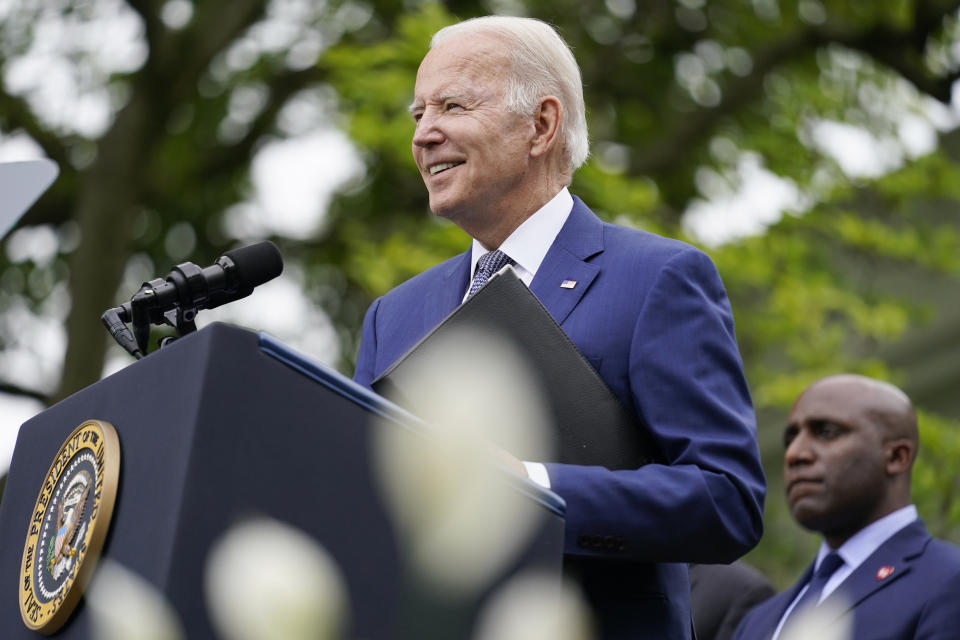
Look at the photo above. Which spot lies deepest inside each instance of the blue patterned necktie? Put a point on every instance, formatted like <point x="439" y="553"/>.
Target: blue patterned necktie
<point x="811" y="597"/>
<point x="488" y="264"/>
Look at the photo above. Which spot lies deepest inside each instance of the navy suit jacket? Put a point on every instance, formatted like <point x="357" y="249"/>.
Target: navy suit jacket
<point x="721" y="594"/>
<point x="919" y="599"/>
<point x="653" y="318"/>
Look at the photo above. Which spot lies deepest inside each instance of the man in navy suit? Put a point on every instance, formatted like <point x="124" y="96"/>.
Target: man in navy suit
<point x="721" y="594"/>
<point x="850" y="446"/>
<point x="500" y="128"/>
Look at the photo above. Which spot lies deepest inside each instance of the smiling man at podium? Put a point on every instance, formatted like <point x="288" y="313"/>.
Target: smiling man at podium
<point x="500" y="129"/>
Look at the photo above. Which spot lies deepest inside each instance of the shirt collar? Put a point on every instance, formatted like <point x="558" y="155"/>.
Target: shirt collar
<point x="528" y="244"/>
<point x="864" y="542"/>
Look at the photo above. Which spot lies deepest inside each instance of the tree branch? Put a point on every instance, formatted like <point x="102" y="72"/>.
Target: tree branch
<point x="153" y="26"/>
<point x="16" y="390"/>
<point x="676" y="144"/>
<point x="282" y="87"/>
<point x="902" y="51"/>
<point x="54" y="207"/>
<point x="182" y="57"/>
<point x="18" y="115"/>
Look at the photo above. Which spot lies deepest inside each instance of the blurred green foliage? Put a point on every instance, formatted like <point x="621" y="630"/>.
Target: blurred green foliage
<point x="936" y="477"/>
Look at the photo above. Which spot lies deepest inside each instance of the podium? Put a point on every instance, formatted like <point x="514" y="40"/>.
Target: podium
<point x="220" y="425"/>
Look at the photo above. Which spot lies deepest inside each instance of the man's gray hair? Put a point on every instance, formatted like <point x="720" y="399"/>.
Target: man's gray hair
<point x="542" y="65"/>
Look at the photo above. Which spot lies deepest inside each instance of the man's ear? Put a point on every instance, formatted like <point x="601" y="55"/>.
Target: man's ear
<point x="546" y="123"/>
<point x="900" y="454"/>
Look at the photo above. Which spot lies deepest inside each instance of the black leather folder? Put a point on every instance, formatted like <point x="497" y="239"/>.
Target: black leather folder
<point x="592" y="427"/>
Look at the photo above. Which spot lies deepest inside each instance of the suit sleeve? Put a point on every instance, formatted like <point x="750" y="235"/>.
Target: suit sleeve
<point x="367" y="357"/>
<point x="748" y="598"/>
<point x="748" y="628"/>
<point x="687" y="385"/>
<point x="722" y="594"/>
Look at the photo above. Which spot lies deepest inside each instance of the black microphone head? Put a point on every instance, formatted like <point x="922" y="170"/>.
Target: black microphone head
<point x="256" y="264"/>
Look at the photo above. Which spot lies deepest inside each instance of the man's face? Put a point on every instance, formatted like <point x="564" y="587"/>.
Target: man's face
<point x="834" y="467"/>
<point x="472" y="153"/>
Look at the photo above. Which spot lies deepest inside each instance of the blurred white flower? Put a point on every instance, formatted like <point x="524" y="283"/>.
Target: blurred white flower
<point x="461" y="515"/>
<point x="124" y="606"/>
<point x="825" y="622"/>
<point x="535" y="607"/>
<point x="267" y="580"/>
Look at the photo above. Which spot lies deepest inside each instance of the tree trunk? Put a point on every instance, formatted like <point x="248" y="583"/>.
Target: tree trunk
<point x="109" y="194"/>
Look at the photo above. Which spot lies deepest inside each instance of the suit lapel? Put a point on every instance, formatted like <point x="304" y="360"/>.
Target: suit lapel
<point x="443" y="299"/>
<point x="897" y="553"/>
<point x="892" y="560"/>
<point x="580" y="238"/>
<point x="787" y="597"/>
<point x="763" y="619"/>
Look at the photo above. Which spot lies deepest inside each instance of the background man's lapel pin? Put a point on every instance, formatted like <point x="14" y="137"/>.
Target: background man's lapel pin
<point x="568" y="284"/>
<point x="884" y="572"/>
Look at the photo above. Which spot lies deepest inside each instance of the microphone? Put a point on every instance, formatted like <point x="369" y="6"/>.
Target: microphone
<point x="176" y="299"/>
<point x="233" y="276"/>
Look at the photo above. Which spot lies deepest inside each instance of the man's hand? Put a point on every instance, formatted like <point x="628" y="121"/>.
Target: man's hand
<point x="508" y="460"/>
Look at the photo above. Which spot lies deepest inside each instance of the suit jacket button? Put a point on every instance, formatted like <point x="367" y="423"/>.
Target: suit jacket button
<point x="583" y="541"/>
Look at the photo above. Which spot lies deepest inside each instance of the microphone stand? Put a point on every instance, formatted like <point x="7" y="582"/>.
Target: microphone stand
<point x="142" y="311"/>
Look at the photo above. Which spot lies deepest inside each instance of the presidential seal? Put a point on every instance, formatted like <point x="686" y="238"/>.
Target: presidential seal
<point x="69" y="524"/>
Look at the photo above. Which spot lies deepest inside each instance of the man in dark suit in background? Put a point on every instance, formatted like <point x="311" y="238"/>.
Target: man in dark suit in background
<point x="850" y="446"/>
<point x="721" y="594"/>
<point x="500" y="128"/>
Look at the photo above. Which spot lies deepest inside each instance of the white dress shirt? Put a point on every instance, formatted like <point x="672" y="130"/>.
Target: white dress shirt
<point x="854" y="552"/>
<point x="527" y="246"/>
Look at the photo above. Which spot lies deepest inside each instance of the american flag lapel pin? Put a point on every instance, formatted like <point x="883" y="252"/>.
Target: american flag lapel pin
<point x="568" y="284"/>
